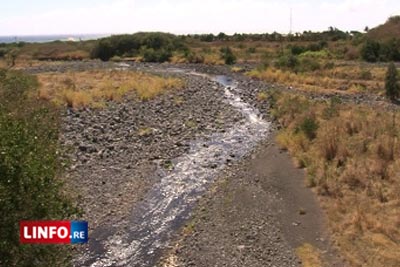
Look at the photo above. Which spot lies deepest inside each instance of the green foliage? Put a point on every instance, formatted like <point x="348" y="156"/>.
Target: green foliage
<point x="308" y="64"/>
<point x="228" y="56"/>
<point x="309" y="127"/>
<point x="370" y="51"/>
<point x="313" y="47"/>
<point x="390" y="51"/>
<point x="391" y="85"/>
<point x="287" y="62"/>
<point x="160" y="55"/>
<point x="29" y="170"/>
<point x="302" y="63"/>
<point x="373" y="51"/>
<point x="207" y="37"/>
<point x="158" y="46"/>
<point x="3" y="51"/>
<point x="104" y="50"/>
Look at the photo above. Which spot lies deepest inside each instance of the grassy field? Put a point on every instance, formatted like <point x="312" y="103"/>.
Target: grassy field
<point x="94" y="88"/>
<point x="351" y="154"/>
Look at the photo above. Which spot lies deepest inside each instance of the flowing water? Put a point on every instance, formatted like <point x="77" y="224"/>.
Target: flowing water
<point x="168" y="204"/>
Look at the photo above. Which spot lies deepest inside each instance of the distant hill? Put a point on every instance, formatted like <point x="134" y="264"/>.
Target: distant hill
<point x="386" y="31"/>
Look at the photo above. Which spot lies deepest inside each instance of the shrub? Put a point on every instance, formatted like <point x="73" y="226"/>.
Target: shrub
<point x="373" y="51"/>
<point x="370" y="51"/>
<point x="297" y="50"/>
<point x="161" y="55"/>
<point x="103" y="50"/>
<point x="309" y="64"/>
<point x="309" y="127"/>
<point x="228" y="56"/>
<point x="29" y="170"/>
<point x="3" y="52"/>
<point x="287" y="62"/>
<point x="163" y="45"/>
<point x="391" y="86"/>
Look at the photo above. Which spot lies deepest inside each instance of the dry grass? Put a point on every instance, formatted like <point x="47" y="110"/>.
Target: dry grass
<point x="309" y="255"/>
<point x="236" y="69"/>
<point x="262" y="96"/>
<point x="56" y="51"/>
<point x="342" y="79"/>
<point x="94" y="88"/>
<point x="354" y="164"/>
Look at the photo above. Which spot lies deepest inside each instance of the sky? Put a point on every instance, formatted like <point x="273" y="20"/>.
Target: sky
<point x="39" y="17"/>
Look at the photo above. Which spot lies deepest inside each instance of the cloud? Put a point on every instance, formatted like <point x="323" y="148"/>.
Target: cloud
<point x="196" y="16"/>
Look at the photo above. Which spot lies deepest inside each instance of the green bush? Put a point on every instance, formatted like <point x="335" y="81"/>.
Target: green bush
<point x="391" y="85"/>
<point x="103" y="50"/>
<point x="309" y="127"/>
<point x="228" y="56"/>
<point x="160" y="55"/>
<point x="157" y="45"/>
<point x="370" y="51"/>
<point x="30" y="188"/>
<point x="308" y="64"/>
<point x="302" y="63"/>
<point x="3" y="52"/>
<point x="287" y="62"/>
<point x="373" y="51"/>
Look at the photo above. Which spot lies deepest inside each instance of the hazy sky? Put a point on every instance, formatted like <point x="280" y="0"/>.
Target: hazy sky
<point x="27" y="17"/>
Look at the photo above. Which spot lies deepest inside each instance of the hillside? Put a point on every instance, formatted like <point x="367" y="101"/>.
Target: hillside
<point x="390" y="29"/>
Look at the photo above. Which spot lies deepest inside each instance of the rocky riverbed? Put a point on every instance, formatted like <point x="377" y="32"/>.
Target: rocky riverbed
<point x="141" y="166"/>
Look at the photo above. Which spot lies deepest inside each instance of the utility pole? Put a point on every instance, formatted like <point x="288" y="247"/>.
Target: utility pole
<point x="291" y="21"/>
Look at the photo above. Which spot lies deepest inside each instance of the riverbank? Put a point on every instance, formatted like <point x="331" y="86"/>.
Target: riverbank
<point x="142" y="166"/>
<point x="259" y="213"/>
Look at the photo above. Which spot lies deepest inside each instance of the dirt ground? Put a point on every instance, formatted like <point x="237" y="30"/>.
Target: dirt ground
<point x="258" y="214"/>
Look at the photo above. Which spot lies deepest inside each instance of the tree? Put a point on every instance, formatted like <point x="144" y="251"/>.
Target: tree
<point x="391" y="85"/>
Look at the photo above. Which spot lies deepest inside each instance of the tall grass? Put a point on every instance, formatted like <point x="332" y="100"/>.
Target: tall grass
<point x="94" y="88"/>
<point x="353" y="162"/>
<point x="342" y="79"/>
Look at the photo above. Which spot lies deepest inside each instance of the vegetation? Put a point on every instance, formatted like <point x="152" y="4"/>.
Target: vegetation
<point x="228" y="56"/>
<point x="94" y="88"/>
<point x="373" y="51"/>
<point x="379" y="44"/>
<point x="30" y="187"/>
<point x="386" y="31"/>
<point x="351" y="154"/>
<point x="153" y="47"/>
<point x="391" y="85"/>
<point x="340" y="79"/>
<point x="309" y="255"/>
